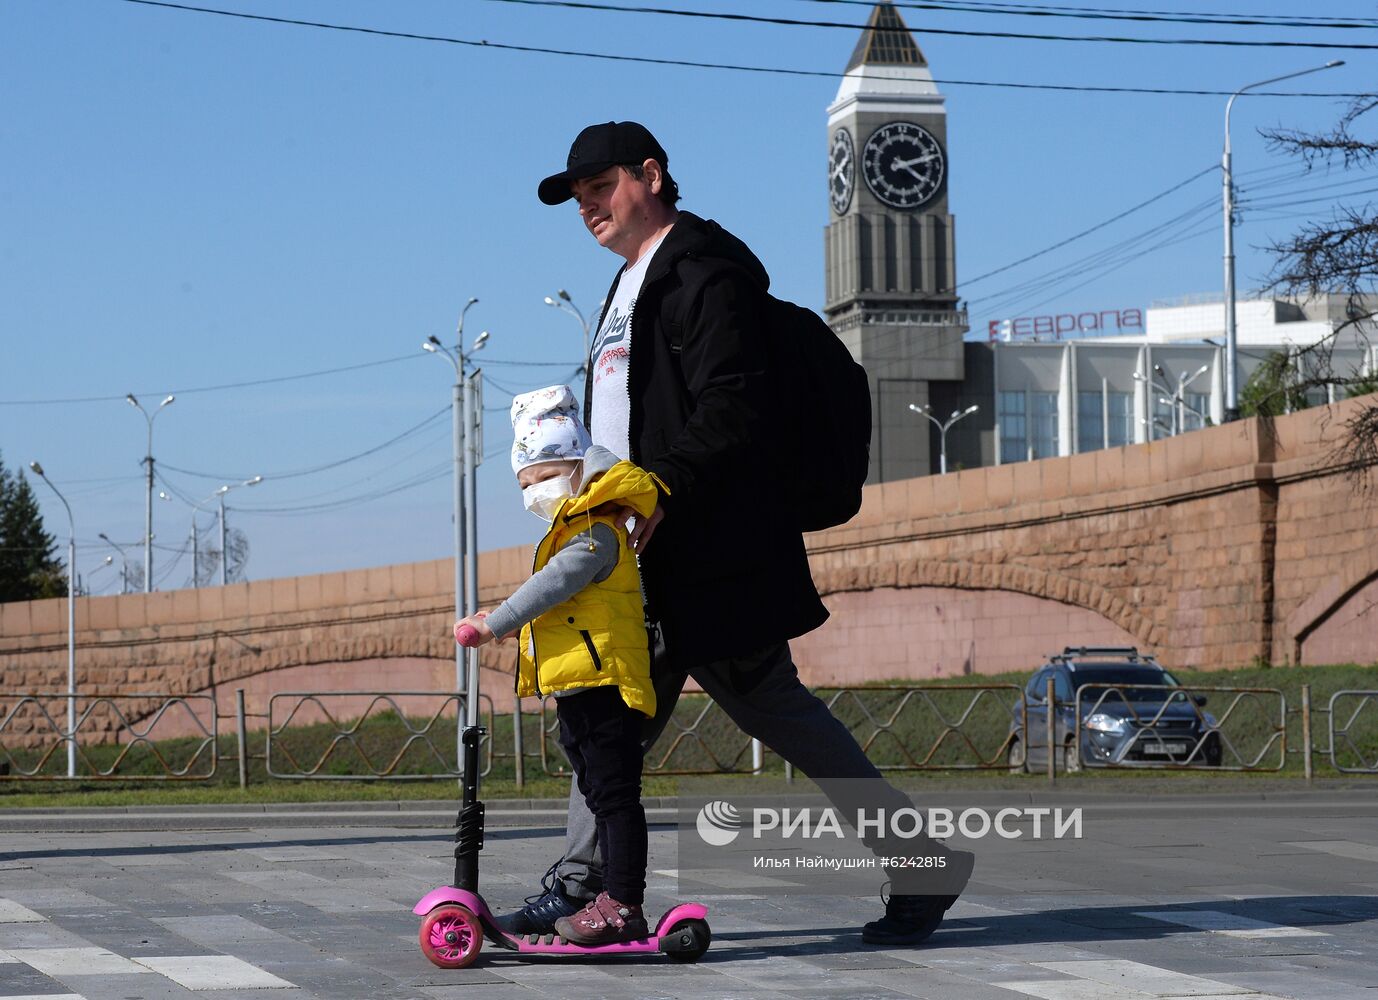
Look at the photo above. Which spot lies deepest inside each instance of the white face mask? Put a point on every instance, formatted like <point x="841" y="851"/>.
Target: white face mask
<point x="544" y="498"/>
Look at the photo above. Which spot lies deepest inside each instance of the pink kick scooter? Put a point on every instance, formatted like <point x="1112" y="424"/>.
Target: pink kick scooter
<point x="455" y="919"/>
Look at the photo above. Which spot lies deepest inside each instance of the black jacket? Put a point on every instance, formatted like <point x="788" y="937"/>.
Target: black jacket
<point x="726" y="573"/>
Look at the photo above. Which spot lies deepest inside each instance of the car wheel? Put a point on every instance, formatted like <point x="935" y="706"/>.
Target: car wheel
<point x="1017" y="759"/>
<point x="1071" y="761"/>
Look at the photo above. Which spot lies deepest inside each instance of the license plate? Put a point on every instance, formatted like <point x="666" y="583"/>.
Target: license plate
<point x="1172" y="748"/>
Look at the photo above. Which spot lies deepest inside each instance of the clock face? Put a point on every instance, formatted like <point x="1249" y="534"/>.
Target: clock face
<point x="903" y="164"/>
<point x="841" y="170"/>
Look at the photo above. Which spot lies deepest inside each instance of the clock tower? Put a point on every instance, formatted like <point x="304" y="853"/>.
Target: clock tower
<point x="889" y="247"/>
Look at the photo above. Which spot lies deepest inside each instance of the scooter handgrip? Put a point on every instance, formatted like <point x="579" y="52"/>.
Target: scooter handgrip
<point x="466" y="635"/>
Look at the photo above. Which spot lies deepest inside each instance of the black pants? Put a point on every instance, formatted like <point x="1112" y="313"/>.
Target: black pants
<point x="602" y="739"/>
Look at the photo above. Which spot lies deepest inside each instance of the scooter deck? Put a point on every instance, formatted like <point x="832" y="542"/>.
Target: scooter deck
<point x="553" y="944"/>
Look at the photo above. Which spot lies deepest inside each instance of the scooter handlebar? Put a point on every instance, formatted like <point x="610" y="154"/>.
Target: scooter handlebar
<point x="466" y="635"/>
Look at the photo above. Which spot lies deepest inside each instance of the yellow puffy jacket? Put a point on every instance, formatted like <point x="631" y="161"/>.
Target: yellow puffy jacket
<point x="598" y="636"/>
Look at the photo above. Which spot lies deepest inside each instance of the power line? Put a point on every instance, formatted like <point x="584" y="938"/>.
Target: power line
<point x="317" y="468"/>
<point x="1111" y="14"/>
<point x="692" y="64"/>
<point x="214" y="388"/>
<point x="957" y="32"/>
<point x="1086" y="232"/>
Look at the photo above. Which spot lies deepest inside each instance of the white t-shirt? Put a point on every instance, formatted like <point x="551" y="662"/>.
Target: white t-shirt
<point x="612" y="357"/>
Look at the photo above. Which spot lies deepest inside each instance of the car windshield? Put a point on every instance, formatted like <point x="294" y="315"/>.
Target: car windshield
<point x="1130" y="683"/>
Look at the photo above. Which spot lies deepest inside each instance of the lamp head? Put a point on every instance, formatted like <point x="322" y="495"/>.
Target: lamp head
<point x="550" y="302"/>
<point x="129" y="398"/>
<point x="253" y="482"/>
<point x="919" y="409"/>
<point x="38" y="469"/>
<point x="564" y="295"/>
<point x="428" y="347"/>
<point x="971" y="409"/>
<point x="479" y="341"/>
<point x="170" y="399"/>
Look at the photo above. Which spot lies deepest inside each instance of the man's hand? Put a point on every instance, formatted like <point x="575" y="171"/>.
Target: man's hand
<point x="640" y="535"/>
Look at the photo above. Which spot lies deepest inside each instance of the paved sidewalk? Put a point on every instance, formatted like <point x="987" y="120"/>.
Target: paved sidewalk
<point x="1278" y="898"/>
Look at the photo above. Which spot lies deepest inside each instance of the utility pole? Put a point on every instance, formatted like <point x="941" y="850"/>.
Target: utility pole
<point x="1227" y="180"/>
<point x="148" y="509"/>
<point x="71" y="624"/>
<point x="464" y="419"/>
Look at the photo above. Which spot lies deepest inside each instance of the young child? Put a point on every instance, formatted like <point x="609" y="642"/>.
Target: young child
<point x="583" y="638"/>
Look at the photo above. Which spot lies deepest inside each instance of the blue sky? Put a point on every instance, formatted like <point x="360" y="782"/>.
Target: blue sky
<point x="190" y="200"/>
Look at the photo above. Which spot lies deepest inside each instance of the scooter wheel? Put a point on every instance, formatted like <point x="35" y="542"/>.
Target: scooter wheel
<point x="687" y="940"/>
<point x="451" y="936"/>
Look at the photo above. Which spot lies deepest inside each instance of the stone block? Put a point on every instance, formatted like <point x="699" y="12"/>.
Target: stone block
<point x="1028" y="482"/>
<point x="210" y="604"/>
<point x="920" y="496"/>
<point x="16" y="618"/>
<point x="946" y="499"/>
<point x="309" y="592"/>
<point x="1000" y="486"/>
<point x="260" y="596"/>
<point x="235" y="600"/>
<point x="971" y="490"/>
<point x="131" y="611"/>
<point x="186" y="609"/>
<point x="1136" y="466"/>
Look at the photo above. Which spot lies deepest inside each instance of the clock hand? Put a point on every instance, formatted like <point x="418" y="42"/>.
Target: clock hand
<point x="907" y="164"/>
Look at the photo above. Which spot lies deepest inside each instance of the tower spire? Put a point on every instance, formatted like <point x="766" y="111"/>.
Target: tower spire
<point x="886" y="41"/>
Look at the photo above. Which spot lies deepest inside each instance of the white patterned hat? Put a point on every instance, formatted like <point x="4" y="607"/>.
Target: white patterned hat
<point x="546" y="427"/>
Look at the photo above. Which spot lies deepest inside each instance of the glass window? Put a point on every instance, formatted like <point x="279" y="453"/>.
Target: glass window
<point x="1043" y="424"/>
<point x="1062" y="686"/>
<point x="1014" y="445"/>
<point x="1038" y="686"/>
<point x="1090" y="426"/>
<point x="1121" y="418"/>
<point x="1198" y="410"/>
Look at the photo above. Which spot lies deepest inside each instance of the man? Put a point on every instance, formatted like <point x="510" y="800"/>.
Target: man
<point x="678" y="384"/>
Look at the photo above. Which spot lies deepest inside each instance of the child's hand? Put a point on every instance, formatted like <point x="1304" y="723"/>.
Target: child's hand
<point x="473" y="631"/>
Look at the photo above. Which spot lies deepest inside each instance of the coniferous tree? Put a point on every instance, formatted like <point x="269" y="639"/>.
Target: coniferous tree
<point x="29" y="563"/>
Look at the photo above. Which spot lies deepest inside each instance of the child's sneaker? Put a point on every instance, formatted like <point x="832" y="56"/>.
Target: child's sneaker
<point x="604" y="921"/>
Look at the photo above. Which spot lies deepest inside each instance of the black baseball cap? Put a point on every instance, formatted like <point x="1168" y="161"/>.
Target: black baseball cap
<point x="596" y="149"/>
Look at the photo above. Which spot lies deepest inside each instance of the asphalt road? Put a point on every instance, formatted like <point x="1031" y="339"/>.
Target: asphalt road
<point x="1201" y="897"/>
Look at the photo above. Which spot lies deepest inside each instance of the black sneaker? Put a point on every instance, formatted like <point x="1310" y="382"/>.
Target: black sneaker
<point x="907" y="920"/>
<point x="911" y="918"/>
<point x="541" y="911"/>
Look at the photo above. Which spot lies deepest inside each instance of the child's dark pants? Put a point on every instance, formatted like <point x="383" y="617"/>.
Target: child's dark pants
<point x="602" y="738"/>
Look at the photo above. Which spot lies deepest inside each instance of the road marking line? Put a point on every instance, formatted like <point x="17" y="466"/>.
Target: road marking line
<point x="1339" y="848"/>
<point x="1072" y="989"/>
<point x="13" y="913"/>
<point x="214" y="972"/>
<point x="1228" y="924"/>
<point x="59" y="962"/>
<point x="1148" y="979"/>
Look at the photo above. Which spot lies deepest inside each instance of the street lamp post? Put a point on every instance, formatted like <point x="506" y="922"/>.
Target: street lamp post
<point x="566" y="305"/>
<point x="71" y="624"/>
<point x="464" y="418"/>
<point x="124" y="561"/>
<point x="1227" y="180"/>
<point x="943" y="426"/>
<point x="148" y="509"/>
<point x="1176" y="397"/>
<point x="224" y="535"/>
